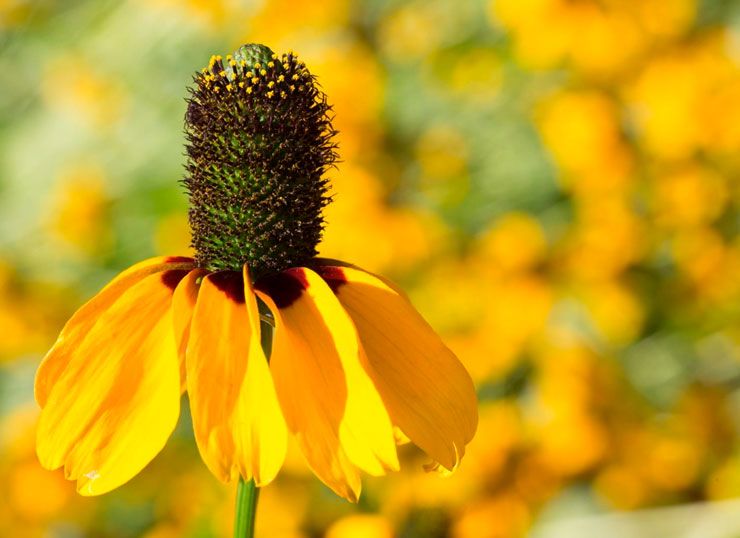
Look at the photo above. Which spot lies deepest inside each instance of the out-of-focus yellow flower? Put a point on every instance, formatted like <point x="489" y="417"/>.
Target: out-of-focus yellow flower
<point x="191" y="495"/>
<point x="605" y="42"/>
<point x="14" y="12"/>
<point x="359" y="217"/>
<point x="689" y="197"/>
<point x="500" y="433"/>
<point x="27" y="482"/>
<point x="18" y="332"/>
<point x="677" y="112"/>
<point x="29" y="312"/>
<point x="344" y="67"/>
<point x="282" y="511"/>
<point x="534" y="478"/>
<point x="33" y="495"/>
<point x="598" y="40"/>
<point x="476" y="74"/>
<point x="607" y="238"/>
<point x="622" y="486"/>
<point x="432" y="490"/>
<point x="711" y="266"/>
<point x="412" y="31"/>
<point x="542" y="29"/>
<point x="505" y="515"/>
<point x="582" y="130"/>
<point x="450" y="303"/>
<point x="500" y="277"/>
<point x="722" y="113"/>
<point x="724" y="481"/>
<point x="616" y="311"/>
<point x="571" y="444"/>
<point x="516" y="242"/>
<point x="508" y="327"/>
<point x="361" y="526"/>
<point x="281" y="22"/>
<point x="79" y="212"/>
<point x="211" y="15"/>
<point x="702" y="255"/>
<point x="666" y="18"/>
<point x="72" y="84"/>
<point x="672" y="463"/>
<point x="667" y="100"/>
<point x="571" y="440"/>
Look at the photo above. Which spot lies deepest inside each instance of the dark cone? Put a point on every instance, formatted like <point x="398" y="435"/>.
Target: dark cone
<point x="259" y="142"/>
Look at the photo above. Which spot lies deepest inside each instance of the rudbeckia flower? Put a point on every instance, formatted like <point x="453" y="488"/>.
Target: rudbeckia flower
<point x="270" y="342"/>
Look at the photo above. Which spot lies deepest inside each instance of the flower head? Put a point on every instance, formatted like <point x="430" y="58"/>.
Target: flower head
<point x="350" y="359"/>
<point x="259" y="142"/>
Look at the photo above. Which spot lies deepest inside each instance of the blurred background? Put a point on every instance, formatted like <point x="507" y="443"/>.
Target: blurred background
<point x="554" y="182"/>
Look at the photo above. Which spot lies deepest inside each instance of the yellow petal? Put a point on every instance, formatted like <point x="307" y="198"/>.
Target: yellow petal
<point x="428" y="393"/>
<point x="156" y="264"/>
<point x="329" y="402"/>
<point x="236" y="418"/>
<point x="183" y="304"/>
<point x="82" y="322"/>
<point x="113" y="406"/>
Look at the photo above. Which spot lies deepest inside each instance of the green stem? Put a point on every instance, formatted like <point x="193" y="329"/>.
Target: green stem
<point x="247" y="495"/>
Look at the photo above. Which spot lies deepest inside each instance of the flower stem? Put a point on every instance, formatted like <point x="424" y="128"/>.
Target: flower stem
<point x="247" y="495"/>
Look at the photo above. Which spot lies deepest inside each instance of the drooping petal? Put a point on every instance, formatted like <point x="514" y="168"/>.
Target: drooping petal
<point x="427" y="391"/>
<point x="329" y="402"/>
<point x="82" y="322"/>
<point x="117" y="400"/>
<point x="183" y="305"/>
<point x="236" y="418"/>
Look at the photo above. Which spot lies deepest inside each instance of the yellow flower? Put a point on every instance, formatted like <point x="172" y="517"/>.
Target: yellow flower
<point x="350" y="360"/>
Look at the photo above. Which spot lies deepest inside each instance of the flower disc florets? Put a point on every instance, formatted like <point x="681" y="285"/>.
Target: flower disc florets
<point x="259" y="142"/>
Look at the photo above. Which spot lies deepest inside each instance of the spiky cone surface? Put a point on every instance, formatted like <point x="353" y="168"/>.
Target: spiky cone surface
<point x="259" y="142"/>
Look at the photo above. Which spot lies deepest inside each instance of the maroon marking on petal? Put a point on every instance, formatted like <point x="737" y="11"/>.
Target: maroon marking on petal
<point x="173" y="277"/>
<point x="333" y="276"/>
<point x="231" y="283"/>
<point x="178" y="259"/>
<point x="284" y="288"/>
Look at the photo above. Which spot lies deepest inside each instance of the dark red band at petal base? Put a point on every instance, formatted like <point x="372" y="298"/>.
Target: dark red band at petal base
<point x="231" y="283"/>
<point x="178" y="259"/>
<point x="332" y="275"/>
<point x="284" y="288"/>
<point x="173" y="277"/>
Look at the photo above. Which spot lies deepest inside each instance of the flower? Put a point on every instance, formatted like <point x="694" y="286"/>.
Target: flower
<point x="351" y="362"/>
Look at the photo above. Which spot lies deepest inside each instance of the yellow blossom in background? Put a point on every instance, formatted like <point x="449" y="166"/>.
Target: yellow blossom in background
<point x="477" y="74"/>
<point x="689" y="197"/>
<point x="34" y="496"/>
<point x="360" y="526"/>
<point x="79" y="212"/>
<point x="73" y="85"/>
<point x="412" y="31"/>
<point x="582" y="129"/>
<point x="500" y="516"/>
